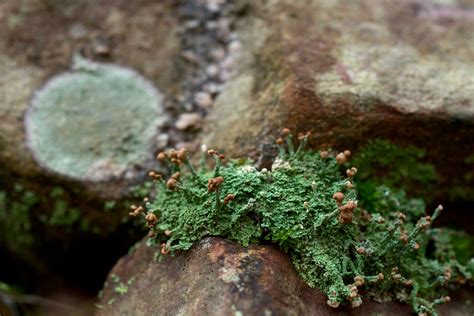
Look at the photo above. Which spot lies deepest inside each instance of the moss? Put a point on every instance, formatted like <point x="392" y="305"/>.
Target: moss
<point x="459" y="244"/>
<point x="22" y="210"/>
<point x="462" y="188"/>
<point x="15" y="217"/>
<point x="382" y="162"/>
<point x="121" y="288"/>
<point x="110" y="205"/>
<point x="380" y="250"/>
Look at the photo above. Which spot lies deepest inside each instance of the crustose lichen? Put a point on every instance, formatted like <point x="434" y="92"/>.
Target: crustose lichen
<point x="312" y="212"/>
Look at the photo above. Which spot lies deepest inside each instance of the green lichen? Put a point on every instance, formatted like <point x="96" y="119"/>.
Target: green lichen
<point x="93" y="122"/>
<point x="382" y="250"/>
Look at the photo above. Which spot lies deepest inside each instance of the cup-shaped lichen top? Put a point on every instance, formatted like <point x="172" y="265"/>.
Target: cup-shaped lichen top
<point x="93" y="122"/>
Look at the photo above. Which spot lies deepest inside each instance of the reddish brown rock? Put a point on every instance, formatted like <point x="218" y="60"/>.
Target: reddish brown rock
<point x="219" y="277"/>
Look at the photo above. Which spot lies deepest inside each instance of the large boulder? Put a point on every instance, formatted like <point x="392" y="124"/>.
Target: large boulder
<point x="218" y="277"/>
<point x="352" y="72"/>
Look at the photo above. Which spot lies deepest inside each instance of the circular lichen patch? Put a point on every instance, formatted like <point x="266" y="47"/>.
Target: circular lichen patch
<point x="93" y="122"/>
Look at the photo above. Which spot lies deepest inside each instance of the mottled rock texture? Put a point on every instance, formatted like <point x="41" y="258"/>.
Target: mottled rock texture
<point x="355" y="71"/>
<point x="218" y="277"/>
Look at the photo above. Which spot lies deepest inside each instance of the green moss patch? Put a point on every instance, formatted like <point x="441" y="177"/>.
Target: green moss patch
<point x="382" y="162"/>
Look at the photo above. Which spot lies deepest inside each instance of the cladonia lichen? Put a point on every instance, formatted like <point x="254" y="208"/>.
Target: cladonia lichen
<point x="388" y="251"/>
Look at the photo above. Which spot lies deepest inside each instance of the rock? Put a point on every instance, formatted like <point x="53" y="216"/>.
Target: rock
<point x="218" y="277"/>
<point x="53" y="208"/>
<point x="203" y="100"/>
<point x="188" y="121"/>
<point x="400" y="71"/>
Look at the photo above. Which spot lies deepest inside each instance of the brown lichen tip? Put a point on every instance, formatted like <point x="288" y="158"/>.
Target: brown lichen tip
<point x="212" y="152"/>
<point x="324" y="154"/>
<point x="161" y="157"/>
<point x="404" y="238"/>
<point x="182" y="154"/>
<point x="175" y="161"/>
<point x="338" y="196"/>
<point x="151" y="220"/>
<point x="176" y="176"/>
<point x="302" y="136"/>
<point x="214" y="184"/>
<point x="332" y="303"/>
<point x="228" y="198"/>
<point x="359" y="280"/>
<point x="136" y="211"/>
<point x="401" y="216"/>
<point x="285" y="131"/>
<point x="424" y="222"/>
<point x="346" y="212"/>
<point x="172" y="184"/>
<point x="154" y="175"/>
<point x="173" y="153"/>
<point x="351" y="172"/>
<point x="279" y="141"/>
<point x="447" y="273"/>
<point x="353" y="292"/>
<point x="164" y="249"/>
<point x="341" y="158"/>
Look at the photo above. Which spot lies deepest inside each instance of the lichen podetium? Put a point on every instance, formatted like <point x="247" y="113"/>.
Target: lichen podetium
<point x="311" y="211"/>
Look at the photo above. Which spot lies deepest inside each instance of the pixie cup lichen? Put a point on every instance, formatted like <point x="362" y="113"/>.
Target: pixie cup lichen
<point x="308" y="205"/>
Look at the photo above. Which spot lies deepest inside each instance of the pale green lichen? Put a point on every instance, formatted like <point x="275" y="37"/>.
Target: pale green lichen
<point x="93" y="122"/>
<point x="382" y="251"/>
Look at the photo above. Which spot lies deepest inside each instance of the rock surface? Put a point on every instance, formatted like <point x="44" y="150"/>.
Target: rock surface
<point x="350" y="72"/>
<point x="218" y="277"/>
